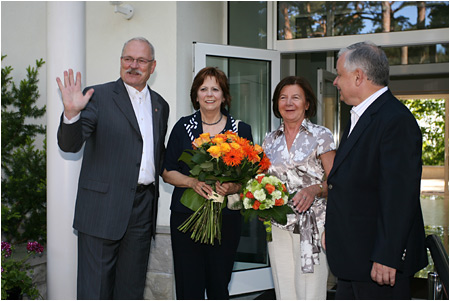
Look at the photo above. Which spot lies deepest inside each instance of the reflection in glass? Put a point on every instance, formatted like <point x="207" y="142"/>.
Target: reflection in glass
<point x="310" y="19"/>
<point x="249" y="82"/>
<point x="247" y="23"/>
<point x="421" y="54"/>
<point x="250" y="91"/>
<point x="330" y="109"/>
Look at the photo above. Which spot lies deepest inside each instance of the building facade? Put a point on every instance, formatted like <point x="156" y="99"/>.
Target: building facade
<point x="275" y="38"/>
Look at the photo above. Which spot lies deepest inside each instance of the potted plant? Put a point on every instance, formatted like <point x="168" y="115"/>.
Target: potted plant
<point x="17" y="272"/>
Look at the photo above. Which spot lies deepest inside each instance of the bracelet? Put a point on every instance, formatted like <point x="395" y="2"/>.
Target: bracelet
<point x="321" y="190"/>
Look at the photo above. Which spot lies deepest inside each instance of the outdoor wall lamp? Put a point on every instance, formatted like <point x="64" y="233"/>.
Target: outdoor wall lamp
<point x="126" y="10"/>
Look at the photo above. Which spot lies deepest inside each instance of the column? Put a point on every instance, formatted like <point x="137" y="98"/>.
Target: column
<point x="66" y="44"/>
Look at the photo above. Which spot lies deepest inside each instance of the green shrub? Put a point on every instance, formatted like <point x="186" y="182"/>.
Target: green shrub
<point x="23" y="166"/>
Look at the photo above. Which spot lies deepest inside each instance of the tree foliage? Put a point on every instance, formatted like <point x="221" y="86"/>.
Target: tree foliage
<point x="23" y="165"/>
<point x="307" y="19"/>
<point x="430" y="114"/>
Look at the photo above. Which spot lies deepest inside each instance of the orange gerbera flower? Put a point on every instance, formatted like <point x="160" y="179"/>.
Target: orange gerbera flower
<point x="233" y="157"/>
<point x="249" y="195"/>
<point x="241" y="141"/>
<point x="264" y="164"/>
<point x="284" y="188"/>
<point x="252" y="155"/>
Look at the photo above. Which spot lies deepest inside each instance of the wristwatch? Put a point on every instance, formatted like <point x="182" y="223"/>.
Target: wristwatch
<point x="321" y="189"/>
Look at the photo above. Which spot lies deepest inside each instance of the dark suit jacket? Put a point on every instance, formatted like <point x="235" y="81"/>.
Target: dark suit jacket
<point x="111" y="158"/>
<point x="373" y="212"/>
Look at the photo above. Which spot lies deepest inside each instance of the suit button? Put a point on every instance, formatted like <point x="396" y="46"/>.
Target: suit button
<point x="330" y="187"/>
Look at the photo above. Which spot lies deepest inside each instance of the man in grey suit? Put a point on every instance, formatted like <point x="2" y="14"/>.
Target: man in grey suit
<point x="123" y="126"/>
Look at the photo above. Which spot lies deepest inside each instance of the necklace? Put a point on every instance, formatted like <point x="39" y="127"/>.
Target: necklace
<point x="214" y="123"/>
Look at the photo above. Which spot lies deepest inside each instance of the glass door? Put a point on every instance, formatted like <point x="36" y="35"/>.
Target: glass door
<point x="253" y="75"/>
<point x="331" y="112"/>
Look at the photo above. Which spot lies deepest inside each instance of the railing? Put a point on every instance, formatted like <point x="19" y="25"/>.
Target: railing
<point x="438" y="280"/>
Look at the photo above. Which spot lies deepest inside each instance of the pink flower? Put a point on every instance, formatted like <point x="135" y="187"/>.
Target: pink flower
<point x="6" y="247"/>
<point x="35" y="247"/>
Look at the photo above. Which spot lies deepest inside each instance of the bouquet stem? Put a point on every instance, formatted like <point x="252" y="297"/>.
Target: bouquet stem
<point x="205" y="223"/>
<point x="268" y="226"/>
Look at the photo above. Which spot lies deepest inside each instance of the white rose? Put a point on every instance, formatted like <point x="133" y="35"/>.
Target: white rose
<point x="260" y="195"/>
<point x="276" y="194"/>
<point x="247" y="203"/>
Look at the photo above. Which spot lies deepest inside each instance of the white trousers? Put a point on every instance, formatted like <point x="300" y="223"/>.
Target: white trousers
<point x="289" y="281"/>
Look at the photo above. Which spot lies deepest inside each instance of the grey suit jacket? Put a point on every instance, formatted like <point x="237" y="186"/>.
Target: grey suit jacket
<point x="111" y="158"/>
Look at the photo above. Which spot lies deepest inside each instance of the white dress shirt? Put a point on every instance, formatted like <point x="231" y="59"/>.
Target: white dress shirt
<point x="142" y="106"/>
<point x="357" y="111"/>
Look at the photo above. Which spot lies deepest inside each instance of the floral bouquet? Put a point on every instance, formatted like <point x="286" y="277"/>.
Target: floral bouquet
<point x="266" y="197"/>
<point x="224" y="158"/>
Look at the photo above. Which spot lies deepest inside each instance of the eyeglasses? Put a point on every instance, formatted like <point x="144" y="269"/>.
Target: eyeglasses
<point x="130" y="60"/>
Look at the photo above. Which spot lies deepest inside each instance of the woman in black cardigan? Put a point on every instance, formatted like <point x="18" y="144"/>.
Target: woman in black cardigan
<point x="203" y="267"/>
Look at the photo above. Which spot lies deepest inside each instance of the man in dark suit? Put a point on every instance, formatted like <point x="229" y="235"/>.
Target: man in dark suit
<point x="375" y="239"/>
<point x="123" y="126"/>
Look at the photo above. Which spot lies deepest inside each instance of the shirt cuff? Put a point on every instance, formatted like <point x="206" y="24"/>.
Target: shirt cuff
<point x="73" y="120"/>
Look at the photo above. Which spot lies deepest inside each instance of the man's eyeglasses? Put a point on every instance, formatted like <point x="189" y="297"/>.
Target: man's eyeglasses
<point x="141" y="61"/>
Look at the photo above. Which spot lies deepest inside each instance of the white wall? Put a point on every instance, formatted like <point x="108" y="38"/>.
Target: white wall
<point x="200" y="21"/>
<point x="171" y="26"/>
<point x="209" y="30"/>
<point x="24" y="40"/>
<point x="106" y="33"/>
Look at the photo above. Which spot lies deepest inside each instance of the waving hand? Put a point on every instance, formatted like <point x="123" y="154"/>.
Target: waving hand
<point x="73" y="99"/>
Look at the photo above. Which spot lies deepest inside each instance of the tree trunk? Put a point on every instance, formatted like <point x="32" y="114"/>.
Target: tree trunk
<point x="386" y="16"/>
<point x="287" y="24"/>
<point x="421" y="10"/>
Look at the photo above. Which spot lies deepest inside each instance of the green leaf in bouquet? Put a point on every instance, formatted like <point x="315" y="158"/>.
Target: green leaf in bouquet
<point x="186" y="157"/>
<point x="249" y="214"/>
<point x="238" y="170"/>
<point x="196" y="170"/>
<point x="200" y="157"/>
<point x="225" y="173"/>
<point x="228" y="179"/>
<point x="202" y="176"/>
<point x="207" y="166"/>
<point x="192" y="199"/>
<point x="279" y="214"/>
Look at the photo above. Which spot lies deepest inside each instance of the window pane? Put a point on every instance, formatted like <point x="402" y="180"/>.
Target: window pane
<point x="310" y="19"/>
<point x="249" y="82"/>
<point x="247" y="24"/>
<point x="422" y="54"/>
